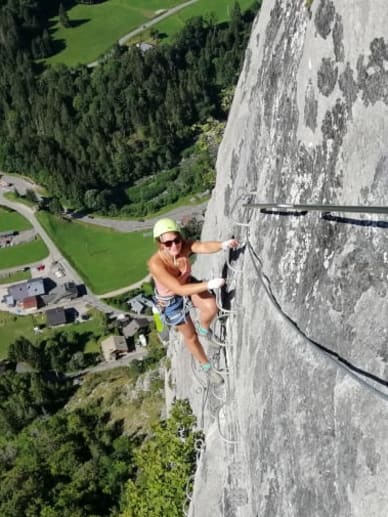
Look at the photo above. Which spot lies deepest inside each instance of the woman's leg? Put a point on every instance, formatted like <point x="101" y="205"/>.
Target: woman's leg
<point x="192" y="342"/>
<point x="206" y="304"/>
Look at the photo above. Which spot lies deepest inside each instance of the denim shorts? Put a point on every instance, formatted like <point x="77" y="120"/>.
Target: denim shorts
<point x="176" y="311"/>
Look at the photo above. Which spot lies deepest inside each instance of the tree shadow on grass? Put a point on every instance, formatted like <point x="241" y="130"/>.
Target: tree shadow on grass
<point x="78" y="23"/>
<point x="58" y="45"/>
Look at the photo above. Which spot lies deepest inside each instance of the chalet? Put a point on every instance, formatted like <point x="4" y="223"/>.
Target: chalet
<point x="113" y="347"/>
<point x="17" y="293"/>
<point x="66" y="291"/>
<point x="144" y="47"/>
<point x="132" y="327"/>
<point x="139" y="303"/>
<point x="56" y="317"/>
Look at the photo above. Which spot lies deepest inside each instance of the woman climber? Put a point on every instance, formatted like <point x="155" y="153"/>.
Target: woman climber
<point x="171" y="270"/>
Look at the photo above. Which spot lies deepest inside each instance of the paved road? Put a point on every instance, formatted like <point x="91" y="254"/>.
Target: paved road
<point x="29" y="214"/>
<point x="123" y="290"/>
<point x="146" y="25"/>
<point x="55" y="255"/>
<point x="121" y="225"/>
<point x="116" y="224"/>
<point x="21" y="184"/>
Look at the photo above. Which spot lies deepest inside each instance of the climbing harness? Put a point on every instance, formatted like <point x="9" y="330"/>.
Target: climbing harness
<point x="173" y="310"/>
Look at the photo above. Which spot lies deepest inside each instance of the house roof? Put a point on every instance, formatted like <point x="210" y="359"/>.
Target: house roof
<point x="132" y="327"/>
<point x="138" y="301"/>
<point x="143" y="46"/>
<point x="56" y="316"/>
<point x="112" y="343"/>
<point x="137" y="306"/>
<point x="66" y="290"/>
<point x="34" y="287"/>
<point x="30" y="303"/>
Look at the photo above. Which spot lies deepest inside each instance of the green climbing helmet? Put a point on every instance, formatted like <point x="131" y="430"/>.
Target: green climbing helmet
<point x="165" y="225"/>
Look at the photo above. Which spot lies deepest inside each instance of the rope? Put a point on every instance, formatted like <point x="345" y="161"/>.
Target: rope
<point x="333" y="356"/>
<point x="199" y="448"/>
<point x="225" y="439"/>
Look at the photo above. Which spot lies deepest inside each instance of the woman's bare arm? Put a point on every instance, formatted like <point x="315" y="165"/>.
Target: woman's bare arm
<point x="213" y="246"/>
<point x="160" y="273"/>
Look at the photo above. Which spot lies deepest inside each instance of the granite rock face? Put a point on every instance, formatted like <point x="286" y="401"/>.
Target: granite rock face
<point x="301" y="425"/>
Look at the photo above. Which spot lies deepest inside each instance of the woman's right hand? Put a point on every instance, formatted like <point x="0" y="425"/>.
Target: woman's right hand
<point x="215" y="283"/>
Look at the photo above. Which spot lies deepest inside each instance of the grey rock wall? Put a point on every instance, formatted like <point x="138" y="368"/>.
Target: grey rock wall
<point x="296" y="432"/>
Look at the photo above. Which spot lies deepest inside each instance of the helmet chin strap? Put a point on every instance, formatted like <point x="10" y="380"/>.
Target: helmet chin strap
<point x="165" y="252"/>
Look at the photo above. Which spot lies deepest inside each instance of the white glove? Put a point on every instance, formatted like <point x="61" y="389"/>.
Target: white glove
<point x="215" y="283"/>
<point x="231" y="243"/>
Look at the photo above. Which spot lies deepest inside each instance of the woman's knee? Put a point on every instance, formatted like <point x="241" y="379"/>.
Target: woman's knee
<point x="209" y="310"/>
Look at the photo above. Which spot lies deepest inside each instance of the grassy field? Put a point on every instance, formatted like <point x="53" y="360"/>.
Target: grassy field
<point x="10" y="220"/>
<point x="14" y="256"/>
<point x="106" y="259"/>
<point x="19" y="276"/>
<point x="220" y="9"/>
<point x="97" y="27"/>
<point x="12" y="327"/>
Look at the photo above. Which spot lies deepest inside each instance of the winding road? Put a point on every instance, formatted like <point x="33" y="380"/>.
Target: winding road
<point x="22" y="184"/>
<point x="56" y="255"/>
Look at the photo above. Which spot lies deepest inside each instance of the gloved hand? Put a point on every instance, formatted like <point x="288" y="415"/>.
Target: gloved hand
<point x="231" y="243"/>
<point x="215" y="283"/>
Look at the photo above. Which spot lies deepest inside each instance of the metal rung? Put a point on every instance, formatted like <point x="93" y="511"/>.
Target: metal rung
<point x="321" y="208"/>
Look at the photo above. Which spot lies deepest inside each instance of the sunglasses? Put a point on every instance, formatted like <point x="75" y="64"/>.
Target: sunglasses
<point x="168" y="244"/>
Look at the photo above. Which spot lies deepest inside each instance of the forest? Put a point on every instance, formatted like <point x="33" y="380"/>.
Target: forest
<point x="91" y="136"/>
<point x="88" y="134"/>
<point x="63" y="453"/>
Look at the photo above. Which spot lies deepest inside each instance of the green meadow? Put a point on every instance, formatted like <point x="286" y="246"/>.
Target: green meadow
<point x="97" y="27"/>
<point x="10" y="220"/>
<point x="106" y="259"/>
<point x="13" y="327"/>
<point x="18" y="276"/>
<point x="14" y="256"/>
<point x="219" y="9"/>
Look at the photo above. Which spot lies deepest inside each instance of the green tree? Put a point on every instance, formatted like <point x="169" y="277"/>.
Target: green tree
<point x="164" y="465"/>
<point x="63" y="16"/>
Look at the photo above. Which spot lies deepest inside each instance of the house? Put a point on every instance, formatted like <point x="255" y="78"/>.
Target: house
<point x="132" y="327"/>
<point x="56" y="317"/>
<point x="139" y="303"/>
<point x="113" y="347"/>
<point x="144" y="47"/>
<point x="18" y="292"/>
<point x="30" y="304"/>
<point x="68" y="291"/>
